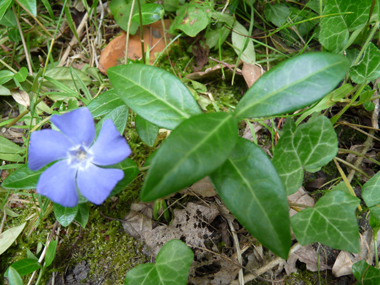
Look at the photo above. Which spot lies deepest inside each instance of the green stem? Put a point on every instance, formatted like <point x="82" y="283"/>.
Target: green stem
<point x="334" y="119"/>
<point x="374" y="29"/>
<point x="144" y="168"/>
<point x="40" y="275"/>
<point x="342" y="150"/>
<point x="141" y="32"/>
<point x="128" y="30"/>
<point x="375" y="244"/>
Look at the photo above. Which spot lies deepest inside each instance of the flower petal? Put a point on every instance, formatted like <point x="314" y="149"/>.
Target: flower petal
<point x="58" y="184"/>
<point x="77" y="125"/>
<point x="96" y="183"/>
<point x="47" y="146"/>
<point x="110" y="147"/>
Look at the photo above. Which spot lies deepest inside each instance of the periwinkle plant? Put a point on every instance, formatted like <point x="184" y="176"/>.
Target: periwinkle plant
<point x="78" y="158"/>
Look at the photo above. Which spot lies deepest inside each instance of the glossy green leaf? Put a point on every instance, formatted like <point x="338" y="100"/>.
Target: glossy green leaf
<point x="21" y="75"/>
<point x="335" y="29"/>
<point x="308" y="146"/>
<point x="172" y="266"/>
<point x="9" y="236"/>
<point x="121" y="10"/>
<point x="50" y="252"/>
<point x="4" y="5"/>
<point x="63" y="75"/>
<point x="82" y="215"/>
<point x="238" y="39"/>
<point x="154" y="94"/>
<point x="147" y="131"/>
<point x="277" y="13"/>
<point x="5" y="76"/>
<point x="365" y="273"/>
<point x="65" y="215"/>
<point x="30" y="5"/>
<point x="331" y="222"/>
<point x="371" y="195"/>
<point x="23" y="178"/>
<point x="104" y="103"/>
<point x="193" y="150"/>
<point x="25" y="266"/>
<point x="130" y="170"/>
<point x="250" y="187"/>
<point x="150" y="13"/>
<point x="369" y="67"/>
<point x="293" y="84"/>
<point x="192" y="18"/>
<point x="119" y="116"/>
<point x="13" y="277"/>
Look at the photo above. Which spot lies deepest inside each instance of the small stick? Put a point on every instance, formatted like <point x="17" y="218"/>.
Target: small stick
<point x="74" y="40"/>
<point x="23" y="42"/>
<point x="357" y="169"/>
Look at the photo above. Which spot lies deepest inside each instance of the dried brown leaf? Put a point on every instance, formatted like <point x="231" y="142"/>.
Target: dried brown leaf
<point x="203" y="188"/>
<point x="251" y="73"/>
<point x="21" y="96"/>
<point x="308" y="255"/>
<point x="344" y="261"/>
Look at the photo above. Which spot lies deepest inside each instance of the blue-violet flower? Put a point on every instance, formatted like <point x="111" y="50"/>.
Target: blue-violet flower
<point x="78" y="156"/>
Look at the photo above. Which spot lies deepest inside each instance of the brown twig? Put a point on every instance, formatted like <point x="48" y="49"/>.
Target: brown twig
<point x="75" y="242"/>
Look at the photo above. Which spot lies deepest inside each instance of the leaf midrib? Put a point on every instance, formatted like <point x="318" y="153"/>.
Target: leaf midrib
<point x="153" y="95"/>
<point x="256" y="102"/>
<point x="215" y="130"/>
<point x="254" y="195"/>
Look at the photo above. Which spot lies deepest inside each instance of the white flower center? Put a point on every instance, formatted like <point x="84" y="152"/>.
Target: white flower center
<point x="79" y="157"/>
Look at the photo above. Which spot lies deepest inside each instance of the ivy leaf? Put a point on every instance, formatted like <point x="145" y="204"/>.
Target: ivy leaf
<point x="192" y="18"/>
<point x="365" y="273"/>
<point x="172" y="266"/>
<point x="292" y="85"/>
<point x="249" y="185"/>
<point x="308" y="146"/>
<point x="193" y="150"/>
<point x="331" y="222"/>
<point x="371" y="195"/>
<point x="369" y="68"/>
<point x="154" y="94"/>
<point x="335" y="29"/>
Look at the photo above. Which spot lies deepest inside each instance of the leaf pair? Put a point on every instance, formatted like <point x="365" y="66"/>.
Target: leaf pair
<point x="208" y="144"/>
